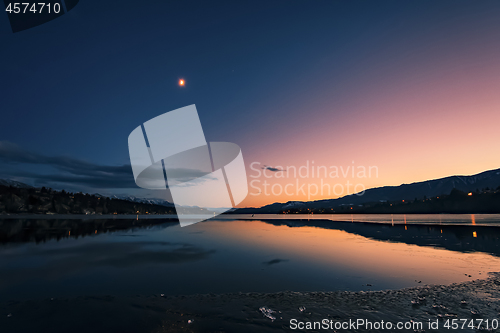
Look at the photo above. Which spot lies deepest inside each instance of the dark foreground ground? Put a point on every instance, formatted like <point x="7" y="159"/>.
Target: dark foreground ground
<point x="479" y="299"/>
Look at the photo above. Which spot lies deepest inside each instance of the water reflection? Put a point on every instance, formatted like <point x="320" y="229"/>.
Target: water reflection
<point x="43" y="230"/>
<point x="454" y="219"/>
<point x="462" y="238"/>
<point x="61" y="262"/>
<point x="156" y="256"/>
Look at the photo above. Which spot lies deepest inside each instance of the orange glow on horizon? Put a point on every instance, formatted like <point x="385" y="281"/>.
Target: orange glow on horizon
<point x="427" y="106"/>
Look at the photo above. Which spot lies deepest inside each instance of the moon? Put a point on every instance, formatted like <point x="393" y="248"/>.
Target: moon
<point x="182" y="82"/>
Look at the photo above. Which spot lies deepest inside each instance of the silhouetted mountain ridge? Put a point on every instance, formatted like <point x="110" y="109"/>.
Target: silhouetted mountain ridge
<point x="418" y="190"/>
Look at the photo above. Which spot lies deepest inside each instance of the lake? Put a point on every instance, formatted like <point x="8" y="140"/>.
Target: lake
<point x="50" y="258"/>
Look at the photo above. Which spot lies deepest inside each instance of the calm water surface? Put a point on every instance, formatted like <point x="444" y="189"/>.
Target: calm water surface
<point x="66" y="258"/>
<point x="434" y="219"/>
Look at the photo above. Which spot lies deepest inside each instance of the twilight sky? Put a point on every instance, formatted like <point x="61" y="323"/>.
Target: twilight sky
<point x="409" y="87"/>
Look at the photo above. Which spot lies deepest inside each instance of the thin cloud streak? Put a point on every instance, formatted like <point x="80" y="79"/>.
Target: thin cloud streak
<point x="273" y="169"/>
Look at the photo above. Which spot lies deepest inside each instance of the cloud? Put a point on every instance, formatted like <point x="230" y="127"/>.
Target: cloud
<point x="274" y="261"/>
<point x="75" y="173"/>
<point x="270" y="168"/>
<point x="69" y="170"/>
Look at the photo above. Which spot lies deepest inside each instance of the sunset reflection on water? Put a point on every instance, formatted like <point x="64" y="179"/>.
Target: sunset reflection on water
<point x="39" y="259"/>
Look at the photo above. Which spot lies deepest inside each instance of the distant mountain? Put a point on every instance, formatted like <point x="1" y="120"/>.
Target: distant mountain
<point x="431" y="188"/>
<point x="13" y="183"/>
<point x="144" y="200"/>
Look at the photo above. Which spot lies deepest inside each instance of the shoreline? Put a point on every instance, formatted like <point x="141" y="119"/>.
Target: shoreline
<point x="406" y="218"/>
<point x="84" y="216"/>
<point x="242" y="312"/>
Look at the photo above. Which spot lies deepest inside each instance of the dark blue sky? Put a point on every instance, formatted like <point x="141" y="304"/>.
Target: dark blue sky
<point x="78" y="85"/>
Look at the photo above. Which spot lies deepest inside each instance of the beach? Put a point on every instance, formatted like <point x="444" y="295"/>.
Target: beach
<point x="246" y="312"/>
